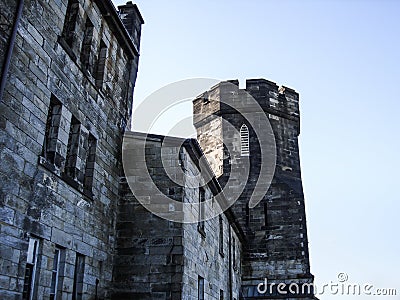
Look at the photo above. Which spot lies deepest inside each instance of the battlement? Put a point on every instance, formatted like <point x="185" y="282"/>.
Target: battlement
<point x="276" y="100"/>
<point x="275" y="228"/>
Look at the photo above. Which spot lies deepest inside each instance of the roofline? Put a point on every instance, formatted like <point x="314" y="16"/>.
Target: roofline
<point x="137" y="11"/>
<point x="110" y="13"/>
<point x="195" y="151"/>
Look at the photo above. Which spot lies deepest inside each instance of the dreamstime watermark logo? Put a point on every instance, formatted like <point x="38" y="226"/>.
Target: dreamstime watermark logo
<point x="138" y="160"/>
<point x="340" y="287"/>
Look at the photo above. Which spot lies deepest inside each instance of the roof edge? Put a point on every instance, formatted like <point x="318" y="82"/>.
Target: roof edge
<point x="109" y="11"/>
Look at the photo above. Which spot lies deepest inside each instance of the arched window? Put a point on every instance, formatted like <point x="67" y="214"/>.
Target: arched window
<point x="244" y="140"/>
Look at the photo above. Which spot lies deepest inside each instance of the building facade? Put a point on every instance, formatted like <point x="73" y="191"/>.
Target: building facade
<point x="65" y="104"/>
<point x="161" y="259"/>
<point x="232" y="128"/>
<point x="71" y="223"/>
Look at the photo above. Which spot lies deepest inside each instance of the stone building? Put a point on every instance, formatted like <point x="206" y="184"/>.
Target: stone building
<point x="229" y="254"/>
<point x="72" y="221"/>
<point x="161" y="259"/>
<point x="276" y="245"/>
<point x="65" y="103"/>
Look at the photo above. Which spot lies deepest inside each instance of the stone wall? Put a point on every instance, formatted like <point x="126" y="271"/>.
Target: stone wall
<point x="219" y="265"/>
<point x="60" y="163"/>
<point x="276" y="233"/>
<point x="157" y="258"/>
<point x="7" y="16"/>
<point x="149" y="259"/>
<point x="202" y="257"/>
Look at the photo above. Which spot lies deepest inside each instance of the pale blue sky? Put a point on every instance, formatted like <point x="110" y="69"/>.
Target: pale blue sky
<point x="343" y="58"/>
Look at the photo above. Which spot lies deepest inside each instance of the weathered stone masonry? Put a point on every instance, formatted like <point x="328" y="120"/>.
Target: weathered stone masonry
<point x="66" y="104"/>
<point x="276" y="236"/>
<point x="160" y="259"/>
<point x="70" y="228"/>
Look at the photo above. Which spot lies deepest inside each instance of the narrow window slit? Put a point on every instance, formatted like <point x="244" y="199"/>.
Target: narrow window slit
<point x="244" y="141"/>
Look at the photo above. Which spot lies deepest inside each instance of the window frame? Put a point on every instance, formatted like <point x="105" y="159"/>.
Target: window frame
<point x="244" y="140"/>
<point x="87" y="44"/>
<point x="200" y="288"/>
<point x="101" y="65"/>
<point x="201" y="222"/>
<point x="70" y="23"/>
<point x="53" y="124"/>
<point x="57" y="273"/>
<point x="234" y="262"/>
<point x="32" y="263"/>
<point x="90" y="164"/>
<point x="73" y="148"/>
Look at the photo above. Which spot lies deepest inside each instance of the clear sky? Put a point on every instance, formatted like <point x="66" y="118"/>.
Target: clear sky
<point x="343" y="57"/>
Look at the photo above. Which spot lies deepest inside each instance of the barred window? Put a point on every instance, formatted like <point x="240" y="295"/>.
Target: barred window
<point x="53" y="124"/>
<point x="244" y="140"/>
<point x="86" y="52"/>
<point x="70" y="22"/>
<point x="72" y="149"/>
<point x="101" y="64"/>
<point x="90" y="162"/>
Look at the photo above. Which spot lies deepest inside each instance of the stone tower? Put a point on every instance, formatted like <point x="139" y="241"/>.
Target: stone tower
<point x="276" y="233"/>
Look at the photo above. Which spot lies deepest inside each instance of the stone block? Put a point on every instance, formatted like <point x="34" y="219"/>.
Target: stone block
<point x="6" y="215"/>
<point x="59" y="237"/>
<point x="82" y="248"/>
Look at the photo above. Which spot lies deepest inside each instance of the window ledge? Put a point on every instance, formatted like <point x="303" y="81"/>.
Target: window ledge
<point x="66" y="48"/>
<point x="77" y="185"/>
<point x="86" y="192"/>
<point x="49" y="166"/>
